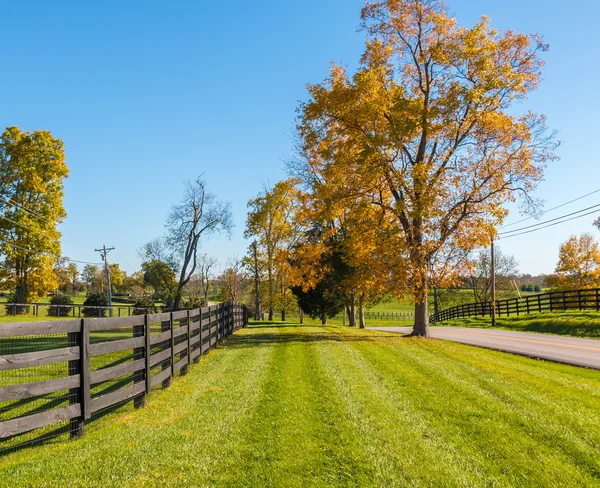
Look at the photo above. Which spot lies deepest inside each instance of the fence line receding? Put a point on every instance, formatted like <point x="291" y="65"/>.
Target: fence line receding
<point x="556" y="301"/>
<point x="55" y="376"/>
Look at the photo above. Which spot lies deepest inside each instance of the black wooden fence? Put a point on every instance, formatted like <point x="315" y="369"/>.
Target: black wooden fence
<point x="557" y="301"/>
<point x="75" y="310"/>
<point x="95" y="364"/>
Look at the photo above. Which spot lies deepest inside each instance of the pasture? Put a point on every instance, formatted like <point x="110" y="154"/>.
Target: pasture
<point x="290" y="405"/>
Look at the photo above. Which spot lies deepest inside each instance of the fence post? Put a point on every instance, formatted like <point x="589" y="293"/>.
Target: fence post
<point x="147" y="352"/>
<point x="189" y="336"/>
<point x="81" y="367"/>
<point x="166" y="326"/>
<point x="579" y="299"/>
<point x="139" y="353"/>
<point x="172" y="342"/>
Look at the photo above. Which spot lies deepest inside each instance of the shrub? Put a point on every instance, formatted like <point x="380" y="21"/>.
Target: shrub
<point x="55" y="311"/>
<point x="195" y="302"/>
<point x="144" y="305"/>
<point x="95" y="300"/>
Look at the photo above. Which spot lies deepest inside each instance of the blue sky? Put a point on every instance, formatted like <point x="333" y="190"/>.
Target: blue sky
<point x="147" y="94"/>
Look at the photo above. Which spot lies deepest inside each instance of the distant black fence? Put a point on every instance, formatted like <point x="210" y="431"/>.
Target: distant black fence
<point x="75" y="310"/>
<point x="55" y="376"/>
<point x="556" y="301"/>
<point x="395" y="316"/>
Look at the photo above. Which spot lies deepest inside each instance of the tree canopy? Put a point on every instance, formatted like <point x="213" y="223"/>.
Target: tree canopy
<point x="425" y="132"/>
<point x="32" y="170"/>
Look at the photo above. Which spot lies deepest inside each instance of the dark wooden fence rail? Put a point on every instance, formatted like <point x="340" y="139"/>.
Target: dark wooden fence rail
<point x="73" y="310"/>
<point x="557" y="301"/>
<point x="161" y="344"/>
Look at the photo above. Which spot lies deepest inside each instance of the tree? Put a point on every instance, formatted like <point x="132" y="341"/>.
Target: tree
<point x="161" y="276"/>
<point x="480" y="278"/>
<point x="116" y="276"/>
<point x="579" y="262"/>
<point x="92" y="275"/>
<point x="425" y="130"/>
<point x="232" y="281"/>
<point x="207" y="264"/>
<point x="32" y="170"/>
<point x="199" y="215"/>
<point x="272" y="221"/>
<point x="319" y="274"/>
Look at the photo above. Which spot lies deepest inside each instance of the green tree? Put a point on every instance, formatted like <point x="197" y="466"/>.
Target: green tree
<point x="161" y="276"/>
<point x="32" y="170"/>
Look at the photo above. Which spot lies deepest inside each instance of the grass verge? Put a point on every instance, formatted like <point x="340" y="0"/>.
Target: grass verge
<point x="288" y="405"/>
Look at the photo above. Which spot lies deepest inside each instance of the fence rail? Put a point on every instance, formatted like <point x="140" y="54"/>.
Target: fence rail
<point x="74" y="310"/>
<point x="105" y="362"/>
<point x="557" y="301"/>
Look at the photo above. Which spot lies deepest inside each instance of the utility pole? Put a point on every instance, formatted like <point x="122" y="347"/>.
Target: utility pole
<point x="257" y="304"/>
<point x="493" y="271"/>
<point x="103" y="252"/>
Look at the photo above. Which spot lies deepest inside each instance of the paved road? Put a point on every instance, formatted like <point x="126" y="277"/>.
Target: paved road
<point x="563" y="349"/>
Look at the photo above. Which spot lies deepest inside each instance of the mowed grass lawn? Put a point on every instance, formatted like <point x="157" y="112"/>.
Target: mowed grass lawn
<point x="287" y="405"/>
<point x="579" y="324"/>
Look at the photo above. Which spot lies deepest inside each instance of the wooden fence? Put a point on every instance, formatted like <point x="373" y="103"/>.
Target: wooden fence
<point x="74" y="310"/>
<point x="151" y="350"/>
<point x="557" y="301"/>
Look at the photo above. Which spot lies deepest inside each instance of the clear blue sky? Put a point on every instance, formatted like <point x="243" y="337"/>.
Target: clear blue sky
<point x="146" y="94"/>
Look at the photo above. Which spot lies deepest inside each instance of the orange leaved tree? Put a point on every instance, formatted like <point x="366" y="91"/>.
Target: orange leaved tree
<point x="425" y="131"/>
<point x="579" y="262"/>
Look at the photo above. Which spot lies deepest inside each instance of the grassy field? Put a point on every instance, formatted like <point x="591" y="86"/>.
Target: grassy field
<point x="578" y="324"/>
<point x="285" y="405"/>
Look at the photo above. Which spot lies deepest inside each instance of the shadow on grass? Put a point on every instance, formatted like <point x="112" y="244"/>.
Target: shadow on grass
<point x="317" y="334"/>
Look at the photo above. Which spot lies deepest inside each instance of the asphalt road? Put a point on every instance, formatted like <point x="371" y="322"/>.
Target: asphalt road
<point x="562" y="349"/>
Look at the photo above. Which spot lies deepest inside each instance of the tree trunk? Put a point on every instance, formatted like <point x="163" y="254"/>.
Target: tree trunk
<point x="324" y="319"/>
<point x="361" y="312"/>
<point x="301" y="317"/>
<point x="351" y="310"/>
<point x="283" y="315"/>
<point x="178" y="295"/>
<point x="271" y="314"/>
<point x="421" y="327"/>
<point x="21" y="293"/>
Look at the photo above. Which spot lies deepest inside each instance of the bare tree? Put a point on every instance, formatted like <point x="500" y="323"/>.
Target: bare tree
<point x="232" y="280"/>
<point x="199" y="215"/>
<point x="206" y="266"/>
<point x="480" y="280"/>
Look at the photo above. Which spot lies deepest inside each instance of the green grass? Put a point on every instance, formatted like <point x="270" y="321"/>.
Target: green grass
<point x="578" y="324"/>
<point x="330" y="406"/>
<point x="394" y="306"/>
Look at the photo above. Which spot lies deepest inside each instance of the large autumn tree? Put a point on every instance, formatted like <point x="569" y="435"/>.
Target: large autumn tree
<point x="32" y="170"/>
<point x="426" y="130"/>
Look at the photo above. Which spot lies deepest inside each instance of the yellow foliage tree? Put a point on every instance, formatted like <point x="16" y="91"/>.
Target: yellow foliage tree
<point x="272" y="221"/>
<point x="425" y="132"/>
<point x="32" y="169"/>
<point x="578" y="263"/>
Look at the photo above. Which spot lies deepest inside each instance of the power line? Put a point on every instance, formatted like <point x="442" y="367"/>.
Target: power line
<point x="50" y="254"/>
<point x="550" y="225"/>
<point x="551" y="209"/>
<point x="11" y="202"/>
<point x="551" y="220"/>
